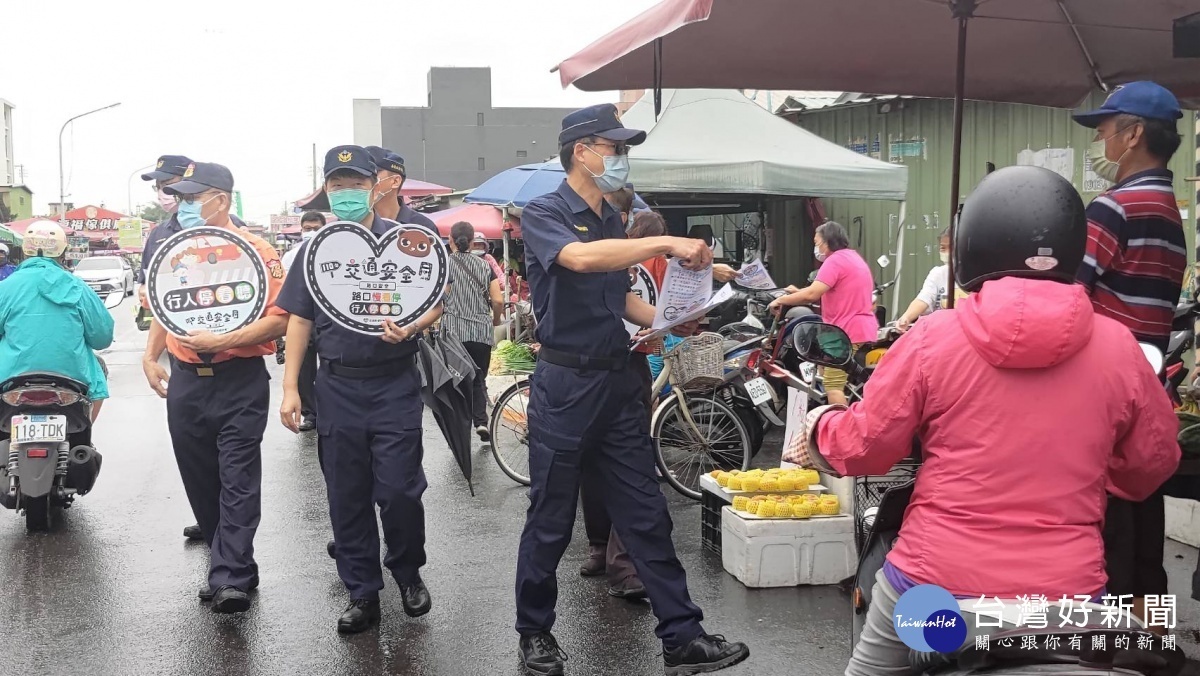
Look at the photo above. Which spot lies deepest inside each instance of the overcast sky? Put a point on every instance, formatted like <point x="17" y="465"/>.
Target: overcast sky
<point x="251" y="87"/>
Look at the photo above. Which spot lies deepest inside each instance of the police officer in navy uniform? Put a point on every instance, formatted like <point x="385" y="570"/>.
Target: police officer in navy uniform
<point x="168" y="170"/>
<point x="392" y="175"/>
<point x="586" y="412"/>
<point x="217" y="395"/>
<point x="369" y="431"/>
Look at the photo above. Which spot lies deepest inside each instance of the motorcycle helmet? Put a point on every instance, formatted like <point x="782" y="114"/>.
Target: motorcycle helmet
<point x="44" y="238"/>
<point x="3" y="250"/>
<point x="1020" y="222"/>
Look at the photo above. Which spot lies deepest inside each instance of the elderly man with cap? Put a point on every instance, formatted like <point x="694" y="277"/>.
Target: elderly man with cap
<point x="586" y="414"/>
<point x="389" y="201"/>
<point x="217" y="402"/>
<point x="369" y="431"/>
<point x="1133" y="268"/>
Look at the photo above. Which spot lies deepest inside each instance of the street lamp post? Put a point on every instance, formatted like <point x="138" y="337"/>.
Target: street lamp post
<point x="129" y="190"/>
<point x="62" y="197"/>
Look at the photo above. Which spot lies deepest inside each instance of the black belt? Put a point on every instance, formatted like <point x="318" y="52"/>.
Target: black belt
<point x="390" y="368"/>
<point x="209" y="370"/>
<point x="582" y="362"/>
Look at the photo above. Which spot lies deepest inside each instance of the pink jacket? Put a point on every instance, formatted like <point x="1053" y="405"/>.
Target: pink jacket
<point x="1029" y="408"/>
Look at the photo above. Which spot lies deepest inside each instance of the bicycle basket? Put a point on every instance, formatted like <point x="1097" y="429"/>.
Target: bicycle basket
<point x="698" y="362"/>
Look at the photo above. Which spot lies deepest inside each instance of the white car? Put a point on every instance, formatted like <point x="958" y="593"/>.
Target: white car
<point x="106" y="274"/>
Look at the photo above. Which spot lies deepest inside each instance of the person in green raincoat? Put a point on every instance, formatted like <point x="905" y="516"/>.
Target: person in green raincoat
<point x="49" y="319"/>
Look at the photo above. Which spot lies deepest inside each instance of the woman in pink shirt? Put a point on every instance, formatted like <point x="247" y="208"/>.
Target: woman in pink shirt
<point x="844" y="285"/>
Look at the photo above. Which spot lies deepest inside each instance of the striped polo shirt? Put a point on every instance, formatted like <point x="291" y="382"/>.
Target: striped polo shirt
<point x="468" y="303"/>
<point x="1136" y="254"/>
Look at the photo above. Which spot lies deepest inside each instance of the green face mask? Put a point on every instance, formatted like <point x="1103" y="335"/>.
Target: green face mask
<point x="350" y="204"/>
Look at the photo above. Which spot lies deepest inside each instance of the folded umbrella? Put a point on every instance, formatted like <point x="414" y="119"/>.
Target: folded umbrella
<point x="451" y="410"/>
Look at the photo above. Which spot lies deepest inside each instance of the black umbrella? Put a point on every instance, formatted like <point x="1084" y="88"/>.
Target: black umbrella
<point x="446" y="390"/>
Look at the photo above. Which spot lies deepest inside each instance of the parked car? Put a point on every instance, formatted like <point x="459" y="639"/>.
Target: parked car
<point x="106" y="274"/>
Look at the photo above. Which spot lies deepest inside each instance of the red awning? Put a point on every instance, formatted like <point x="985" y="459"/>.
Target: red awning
<point x="95" y="223"/>
<point x="486" y="219"/>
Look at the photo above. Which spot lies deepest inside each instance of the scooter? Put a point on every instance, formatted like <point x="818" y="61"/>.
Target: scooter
<point x="822" y="344"/>
<point x="48" y="454"/>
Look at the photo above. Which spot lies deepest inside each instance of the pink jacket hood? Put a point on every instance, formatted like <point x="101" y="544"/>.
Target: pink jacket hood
<point x="1026" y="324"/>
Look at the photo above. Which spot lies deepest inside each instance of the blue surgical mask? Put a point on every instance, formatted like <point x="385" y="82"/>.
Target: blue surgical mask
<point x="189" y="215"/>
<point x="350" y="204"/>
<point x="616" y="172"/>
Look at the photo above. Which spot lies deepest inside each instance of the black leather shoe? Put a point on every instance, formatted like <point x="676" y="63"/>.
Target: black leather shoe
<point x="596" y="563"/>
<point x="484" y="434"/>
<point x="331" y="549"/>
<point x="706" y="652"/>
<point x="308" y="424"/>
<point x="415" y="598"/>
<point x="541" y="655"/>
<point x="359" y="616"/>
<point x="206" y="593"/>
<point x="229" y="599"/>
<point x="630" y="590"/>
<point x="193" y="532"/>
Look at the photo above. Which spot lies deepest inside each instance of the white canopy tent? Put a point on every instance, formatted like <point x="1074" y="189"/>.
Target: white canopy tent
<point x="719" y="141"/>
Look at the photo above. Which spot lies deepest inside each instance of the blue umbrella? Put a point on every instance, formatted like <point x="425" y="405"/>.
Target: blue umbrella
<point x="517" y="186"/>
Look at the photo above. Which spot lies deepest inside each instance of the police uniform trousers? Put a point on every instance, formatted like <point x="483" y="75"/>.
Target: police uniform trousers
<point x="217" y="415"/>
<point x="595" y="422"/>
<point x="369" y="441"/>
<point x="596" y="523"/>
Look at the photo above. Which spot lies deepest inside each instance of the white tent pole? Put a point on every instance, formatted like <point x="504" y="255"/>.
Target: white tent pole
<point x="899" y="262"/>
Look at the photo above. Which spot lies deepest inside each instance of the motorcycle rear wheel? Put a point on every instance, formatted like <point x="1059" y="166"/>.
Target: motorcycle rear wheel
<point x="37" y="514"/>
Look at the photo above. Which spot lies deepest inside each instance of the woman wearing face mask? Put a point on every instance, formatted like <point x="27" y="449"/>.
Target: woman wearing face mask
<point x="844" y="286"/>
<point x="473" y="308"/>
<point x="935" y="291"/>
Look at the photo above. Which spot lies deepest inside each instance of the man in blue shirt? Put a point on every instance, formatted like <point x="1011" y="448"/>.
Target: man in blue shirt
<point x="586" y="410"/>
<point x="369" y="432"/>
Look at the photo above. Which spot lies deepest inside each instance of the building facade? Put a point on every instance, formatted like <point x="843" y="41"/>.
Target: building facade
<point x="17" y="202"/>
<point x="459" y="139"/>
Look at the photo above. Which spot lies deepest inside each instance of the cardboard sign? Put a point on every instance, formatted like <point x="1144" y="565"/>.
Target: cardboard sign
<point x="206" y="279"/>
<point x="642" y="284"/>
<point x="360" y="281"/>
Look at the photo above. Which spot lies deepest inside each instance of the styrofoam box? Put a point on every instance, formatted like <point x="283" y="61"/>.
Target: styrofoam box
<point x="787" y="552"/>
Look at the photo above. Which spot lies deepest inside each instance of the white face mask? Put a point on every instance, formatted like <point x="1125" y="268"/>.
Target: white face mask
<point x="945" y="256"/>
<point x="1101" y="165"/>
<point x="818" y="255"/>
<point x="306" y="235"/>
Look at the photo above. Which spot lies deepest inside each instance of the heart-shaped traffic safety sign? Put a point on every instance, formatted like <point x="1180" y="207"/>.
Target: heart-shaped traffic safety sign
<point x="361" y="280"/>
<point x="642" y="284"/>
<point x="206" y="279"/>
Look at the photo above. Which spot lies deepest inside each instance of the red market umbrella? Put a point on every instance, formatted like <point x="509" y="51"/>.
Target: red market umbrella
<point x="486" y="219"/>
<point x="1042" y="52"/>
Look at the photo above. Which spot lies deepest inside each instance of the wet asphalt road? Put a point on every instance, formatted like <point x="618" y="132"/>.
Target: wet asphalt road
<point x="113" y="590"/>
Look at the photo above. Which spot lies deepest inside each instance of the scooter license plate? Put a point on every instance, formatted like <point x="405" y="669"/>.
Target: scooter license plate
<point x="32" y="429"/>
<point x="759" y="391"/>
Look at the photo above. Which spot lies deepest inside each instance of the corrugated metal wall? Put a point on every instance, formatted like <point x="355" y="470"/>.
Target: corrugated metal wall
<point x="919" y="131"/>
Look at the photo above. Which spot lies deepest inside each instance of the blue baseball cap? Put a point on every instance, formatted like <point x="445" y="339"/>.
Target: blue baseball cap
<point x="168" y="166"/>
<point x="601" y="121"/>
<point x="354" y="158"/>
<point x="1144" y="99"/>
<point x="202" y="176"/>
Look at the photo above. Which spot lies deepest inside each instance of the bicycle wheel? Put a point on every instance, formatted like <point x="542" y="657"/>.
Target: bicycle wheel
<point x="509" y="429"/>
<point x="720" y="440"/>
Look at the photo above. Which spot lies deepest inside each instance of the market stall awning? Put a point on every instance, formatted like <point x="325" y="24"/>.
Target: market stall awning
<point x="95" y="223"/>
<point x="486" y="219"/>
<point x="7" y="235"/>
<point x="746" y="150"/>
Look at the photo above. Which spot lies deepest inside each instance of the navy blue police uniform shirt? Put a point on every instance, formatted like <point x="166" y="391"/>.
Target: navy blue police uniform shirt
<point x="409" y="215"/>
<point x="162" y="231"/>
<point x="335" y="342"/>
<point x="579" y="313"/>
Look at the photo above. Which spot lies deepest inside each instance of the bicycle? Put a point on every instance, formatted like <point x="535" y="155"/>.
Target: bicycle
<point x="509" y="430"/>
<point x="694" y="430"/>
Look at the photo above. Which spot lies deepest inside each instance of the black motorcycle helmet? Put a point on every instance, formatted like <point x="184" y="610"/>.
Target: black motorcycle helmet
<point x="1020" y="222"/>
